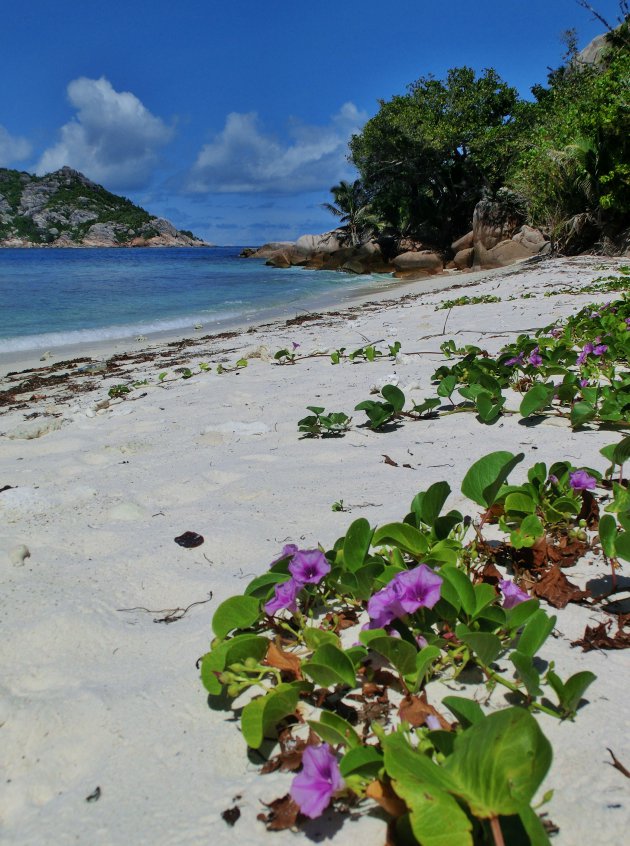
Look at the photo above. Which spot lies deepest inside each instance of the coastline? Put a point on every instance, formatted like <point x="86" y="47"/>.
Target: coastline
<point x="99" y="692"/>
<point x="386" y="290"/>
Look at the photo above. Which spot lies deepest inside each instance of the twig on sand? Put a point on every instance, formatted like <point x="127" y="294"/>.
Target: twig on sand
<point x="617" y="764"/>
<point x="171" y="615"/>
<point x="448" y="314"/>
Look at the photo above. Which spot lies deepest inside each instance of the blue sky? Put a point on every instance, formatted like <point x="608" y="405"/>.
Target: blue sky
<point x="232" y="118"/>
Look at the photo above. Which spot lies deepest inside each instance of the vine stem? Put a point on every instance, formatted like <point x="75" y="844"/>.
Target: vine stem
<point x="497" y="834"/>
<point x="510" y="686"/>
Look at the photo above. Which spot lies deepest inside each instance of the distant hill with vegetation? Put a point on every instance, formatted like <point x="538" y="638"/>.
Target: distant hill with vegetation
<point x="66" y="209"/>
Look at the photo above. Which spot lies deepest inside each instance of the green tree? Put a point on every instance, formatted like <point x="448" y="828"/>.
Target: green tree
<point x="427" y="156"/>
<point x="575" y="171"/>
<point x="351" y="205"/>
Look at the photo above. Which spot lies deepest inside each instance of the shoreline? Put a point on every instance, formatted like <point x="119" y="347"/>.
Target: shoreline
<point x="99" y="690"/>
<point x="387" y="290"/>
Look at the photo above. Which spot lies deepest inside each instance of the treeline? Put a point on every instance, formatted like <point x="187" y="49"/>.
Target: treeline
<point x="560" y="162"/>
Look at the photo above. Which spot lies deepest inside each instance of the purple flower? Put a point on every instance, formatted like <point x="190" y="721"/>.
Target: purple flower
<point x="295" y="345"/>
<point x="580" y="480"/>
<point x="583" y="383"/>
<point x="556" y="332"/>
<point x="600" y="349"/>
<point x="512" y="593"/>
<point x="432" y="722"/>
<point x="385" y="605"/>
<point x="627" y="322"/>
<point x="288" y="551"/>
<point x="586" y="351"/>
<point x="421" y="588"/>
<point x="285" y="596"/>
<point x="407" y="591"/>
<point x="309" y="566"/>
<point x="535" y="359"/>
<point x="320" y="778"/>
<point x="553" y="479"/>
<point x="519" y="359"/>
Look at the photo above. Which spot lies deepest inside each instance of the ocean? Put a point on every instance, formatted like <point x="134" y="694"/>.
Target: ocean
<point x="57" y="297"/>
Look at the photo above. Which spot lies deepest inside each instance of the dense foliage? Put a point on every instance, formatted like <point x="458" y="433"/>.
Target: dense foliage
<point x="428" y="156"/>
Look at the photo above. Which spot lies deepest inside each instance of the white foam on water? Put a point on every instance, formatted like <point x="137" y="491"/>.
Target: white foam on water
<point x="50" y="340"/>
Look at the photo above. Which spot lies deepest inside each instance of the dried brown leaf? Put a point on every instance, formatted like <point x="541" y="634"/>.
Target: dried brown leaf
<point x="597" y="637"/>
<point x="415" y="710"/>
<point x="288" y="663"/>
<point x="386" y="798"/>
<point x="282" y="814"/>
<point x="557" y="589"/>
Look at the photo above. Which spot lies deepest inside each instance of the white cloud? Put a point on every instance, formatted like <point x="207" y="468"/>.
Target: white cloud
<point x="242" y="158"/>
<point x="12" y="148"/>
<point x="113" y="139"/>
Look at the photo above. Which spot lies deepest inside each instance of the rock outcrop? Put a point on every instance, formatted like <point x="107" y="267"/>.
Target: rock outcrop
<point x="66" y="209"/>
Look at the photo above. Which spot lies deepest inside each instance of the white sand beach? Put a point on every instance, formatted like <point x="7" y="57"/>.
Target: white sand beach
<point x="106" y="735"/>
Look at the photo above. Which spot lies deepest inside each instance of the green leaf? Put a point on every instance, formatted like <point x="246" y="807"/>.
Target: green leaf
<point x="406" y="764"/>
<point x="485" y="645"/>
<point x="428" y="504"/>
<point x="435" y="817"/>
<point x="488" y="408"/>
<point x="526" y="671"/>
<point x="394" y="397"/>
<point x="499" y="763"/>
<point x="536" y="399"/>
<point x="447" y="386"/>
<point x="607" y="534"/>
<point x="536" y="631"/>
<point x="261" y="716"/>
<point x="362" y="760"/>
<point x="330" y="666"/>
<point x="519" y="503"/>
<point x="237" y="612"/>
<point x="485" y="477"/>
<point x="520" y="614"/>
<point x="314" y="638"/>
<point x="334" y="729"/>
<point x="484" y="596"/>
<point x="260" y="587"/>
<point x="399" y="653"/>
<point x="424" y="660"/>
<point x="466" y="711"/>
<point x="463" y="586"/>
<point x="581" y="413"/>
<point x="402" y="535"/>
<point x="622" y="451"/>
<point x="357" y="543"/>
<point x="622" y="545"/>
<point x="574" y="689"/>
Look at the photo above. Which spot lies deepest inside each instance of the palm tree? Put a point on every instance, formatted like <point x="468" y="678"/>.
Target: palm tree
<point x="353" y="209"/>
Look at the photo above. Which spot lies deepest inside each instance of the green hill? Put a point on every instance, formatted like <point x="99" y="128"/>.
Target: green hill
<point x="65" y="209"/>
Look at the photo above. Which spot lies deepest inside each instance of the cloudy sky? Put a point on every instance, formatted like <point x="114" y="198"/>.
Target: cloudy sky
<point x="232" y="119"/>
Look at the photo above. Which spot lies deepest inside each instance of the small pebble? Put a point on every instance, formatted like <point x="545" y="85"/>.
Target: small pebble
<point x="19" y="554"/>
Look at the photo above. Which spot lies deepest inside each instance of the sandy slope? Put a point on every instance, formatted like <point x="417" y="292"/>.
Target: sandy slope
<point x="95" y="696"/>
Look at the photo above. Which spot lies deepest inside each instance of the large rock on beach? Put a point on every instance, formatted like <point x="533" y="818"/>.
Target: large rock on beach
<point x="499" y="235"/>
<point x="425" y="261"/>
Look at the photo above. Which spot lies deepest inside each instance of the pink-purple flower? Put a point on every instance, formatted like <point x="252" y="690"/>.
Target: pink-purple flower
<point x="580" y="480"/>
<point x="288" y="551"/>
<point x="407" y="591"/>
<point x="535" y="359"/>
<point x="518" y="359"/>
<point x="285" y="596"/>
<point x="309" y="566"/>
<point x="512" y="593"/>
<point x="318" y="781"/>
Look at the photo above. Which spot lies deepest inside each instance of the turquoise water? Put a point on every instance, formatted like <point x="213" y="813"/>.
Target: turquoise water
<point x="52" y="298"/>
